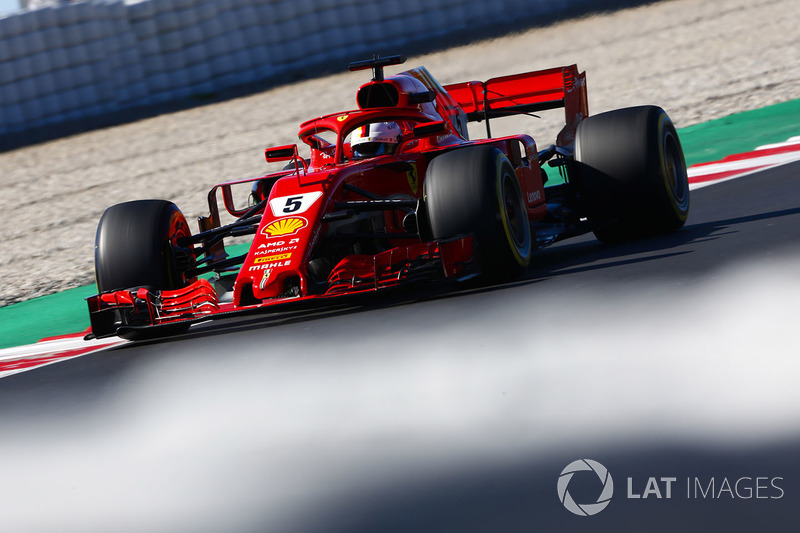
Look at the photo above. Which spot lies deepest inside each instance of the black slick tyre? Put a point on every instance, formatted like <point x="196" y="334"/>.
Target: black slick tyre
<point x="136" y="246"/>
<point x="474" y="190"/>
<point x="631" y="173"/>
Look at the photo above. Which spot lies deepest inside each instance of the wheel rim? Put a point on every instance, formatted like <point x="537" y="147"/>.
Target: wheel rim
<point x="675" y="171"/>
<point x="513" y="212"/>
<point x="178" y="229"/>
<point x="514" y="218"/>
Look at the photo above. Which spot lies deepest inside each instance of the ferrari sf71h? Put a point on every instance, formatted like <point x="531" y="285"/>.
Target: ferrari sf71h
<point x="393" y="193"/>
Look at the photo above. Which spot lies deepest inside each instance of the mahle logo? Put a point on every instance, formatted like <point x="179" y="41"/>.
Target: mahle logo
<point x="585" y="509"/>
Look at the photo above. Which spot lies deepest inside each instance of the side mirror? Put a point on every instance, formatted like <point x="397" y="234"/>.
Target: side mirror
<point x="286" y="153"/>
<point x="281" y="153"/>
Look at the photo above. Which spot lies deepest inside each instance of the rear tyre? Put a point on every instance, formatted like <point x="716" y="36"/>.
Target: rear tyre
<point x="136" y="246"/>
<point x="474" y="190"/>
<point x="631" y="173"/>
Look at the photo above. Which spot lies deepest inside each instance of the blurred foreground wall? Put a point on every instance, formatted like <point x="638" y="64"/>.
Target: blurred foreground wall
<point x="76" y="61"/>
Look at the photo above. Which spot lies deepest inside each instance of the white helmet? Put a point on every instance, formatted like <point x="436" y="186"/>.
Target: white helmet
<point x="375" y="139"/>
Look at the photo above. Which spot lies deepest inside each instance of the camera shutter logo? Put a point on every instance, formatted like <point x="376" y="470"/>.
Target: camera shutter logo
<point x="585" y="509"/>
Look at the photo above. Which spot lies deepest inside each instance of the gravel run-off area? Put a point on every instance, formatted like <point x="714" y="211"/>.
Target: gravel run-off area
<point x="698" y="59"/>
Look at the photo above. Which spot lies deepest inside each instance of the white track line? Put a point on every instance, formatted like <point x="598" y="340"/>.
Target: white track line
<point x="746" y="166"/>
<point x="53" y="347"/>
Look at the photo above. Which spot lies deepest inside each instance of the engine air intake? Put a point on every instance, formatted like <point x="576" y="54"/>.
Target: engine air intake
<point x="378" y="95"/>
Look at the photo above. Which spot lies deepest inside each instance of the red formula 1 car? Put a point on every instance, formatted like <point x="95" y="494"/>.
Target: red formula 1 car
<point x="393" y="193"/>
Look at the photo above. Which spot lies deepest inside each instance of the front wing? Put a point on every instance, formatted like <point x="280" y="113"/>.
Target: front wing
<point x="137" y="310"/>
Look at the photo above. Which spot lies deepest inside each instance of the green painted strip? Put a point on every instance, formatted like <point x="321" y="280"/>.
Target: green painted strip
<point x="55" y="314"/>
<point x="66" y="312"/>
<point x="739" y="133"/>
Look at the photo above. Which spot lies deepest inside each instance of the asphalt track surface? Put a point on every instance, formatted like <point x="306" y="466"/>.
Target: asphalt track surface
<point x="673" y="356"/>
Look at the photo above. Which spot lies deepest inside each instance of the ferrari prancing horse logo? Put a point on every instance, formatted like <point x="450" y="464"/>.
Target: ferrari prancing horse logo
<point x="413" y="177"/>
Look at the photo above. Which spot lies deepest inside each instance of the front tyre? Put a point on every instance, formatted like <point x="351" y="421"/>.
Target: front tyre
<point x="137" y="246"/>
<point x="631" y="173"/>
<point x="474" y="190"/>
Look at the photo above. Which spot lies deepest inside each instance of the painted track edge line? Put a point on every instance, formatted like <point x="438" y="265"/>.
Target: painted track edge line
<point x="739" y="165"/>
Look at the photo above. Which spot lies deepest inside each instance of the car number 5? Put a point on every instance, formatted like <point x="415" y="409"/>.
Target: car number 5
<point x="294" y="204"/>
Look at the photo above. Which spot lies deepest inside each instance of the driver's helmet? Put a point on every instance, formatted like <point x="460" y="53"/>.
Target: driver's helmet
<point x="375" y="139"/>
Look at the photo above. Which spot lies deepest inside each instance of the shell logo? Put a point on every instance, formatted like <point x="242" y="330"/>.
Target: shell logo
<point x="284" y="226"/>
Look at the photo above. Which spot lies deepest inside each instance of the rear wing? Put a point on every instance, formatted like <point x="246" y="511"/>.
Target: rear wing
<point x="526" y="93"/>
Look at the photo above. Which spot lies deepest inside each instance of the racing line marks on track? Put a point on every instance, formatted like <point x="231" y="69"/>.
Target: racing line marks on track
<point x="48" y="351"/>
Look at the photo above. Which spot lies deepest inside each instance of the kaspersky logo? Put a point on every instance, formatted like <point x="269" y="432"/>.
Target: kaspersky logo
<point x="589" y="466"/>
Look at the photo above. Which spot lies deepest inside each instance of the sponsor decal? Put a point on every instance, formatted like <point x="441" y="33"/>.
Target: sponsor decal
<point x="272" y="244"/>
<point x="279" y="250"/>
<point x="271" y="258"/>
<point x="284" y="226"/>
<point x="269" y="266"/>
<point x="342" y="118"/>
